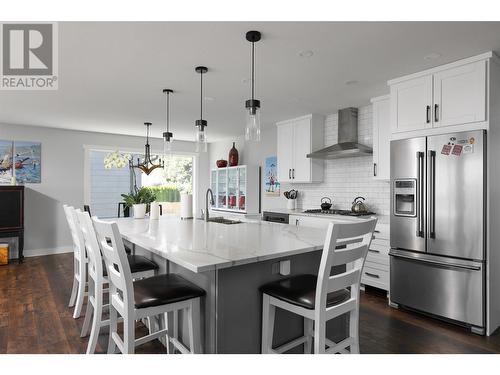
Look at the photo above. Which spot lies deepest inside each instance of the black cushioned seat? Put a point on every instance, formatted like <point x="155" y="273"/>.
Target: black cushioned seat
<point x="164" y="289"/>
<point x="301" y="291"/>
<point x="138" y="263"/>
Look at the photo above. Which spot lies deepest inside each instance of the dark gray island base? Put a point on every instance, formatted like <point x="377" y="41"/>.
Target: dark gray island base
<point x="232" y="308"/>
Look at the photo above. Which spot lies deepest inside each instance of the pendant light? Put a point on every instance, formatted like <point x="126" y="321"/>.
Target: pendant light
<point x="200" y="134"/>
<point x="168" y="137"/>
<point x="147" y="164"/>
<point x="252" y="128"/>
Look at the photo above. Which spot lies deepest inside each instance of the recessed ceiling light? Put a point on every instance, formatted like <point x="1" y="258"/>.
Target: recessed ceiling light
<point x="351" y="82"/>
<point x="306" y="53"/>
<point x="432" y="56"/>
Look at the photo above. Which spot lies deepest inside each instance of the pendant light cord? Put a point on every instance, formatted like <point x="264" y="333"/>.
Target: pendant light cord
<point x="201" y="95"/>
<point x="168" y="112"/>
<point x="253" y="64"/>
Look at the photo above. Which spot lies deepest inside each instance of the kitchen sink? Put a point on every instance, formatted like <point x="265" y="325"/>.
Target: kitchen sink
<point x="221" y="220"/>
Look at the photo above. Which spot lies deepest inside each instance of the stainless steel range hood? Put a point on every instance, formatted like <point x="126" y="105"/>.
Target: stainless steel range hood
<point x="347" y="145"/>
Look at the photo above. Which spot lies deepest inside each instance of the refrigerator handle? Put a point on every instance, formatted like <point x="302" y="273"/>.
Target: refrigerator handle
<point x="438" y="263"/>
<point x="432" y="194"/>
<point x="420" y="190"/>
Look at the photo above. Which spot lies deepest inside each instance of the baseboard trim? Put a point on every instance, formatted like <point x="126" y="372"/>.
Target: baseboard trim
<point x="51" y="251"/>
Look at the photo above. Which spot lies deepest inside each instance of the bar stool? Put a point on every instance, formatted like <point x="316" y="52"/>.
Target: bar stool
<point x="320" y="298"/>
<point x="80" y="266"/>
<point x="153" y="296"/>
<point x="97" y="276"/>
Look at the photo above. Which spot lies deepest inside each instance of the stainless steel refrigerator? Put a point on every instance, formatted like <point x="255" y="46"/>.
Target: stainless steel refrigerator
<point x="438" y="221"/>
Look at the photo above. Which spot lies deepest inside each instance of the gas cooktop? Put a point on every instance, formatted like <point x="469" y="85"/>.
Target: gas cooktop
<point x="338" y="212"/>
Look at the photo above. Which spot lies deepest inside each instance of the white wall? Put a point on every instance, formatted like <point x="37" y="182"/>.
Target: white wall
<point x="344" y="178"/>
<point x="63" y="179"/>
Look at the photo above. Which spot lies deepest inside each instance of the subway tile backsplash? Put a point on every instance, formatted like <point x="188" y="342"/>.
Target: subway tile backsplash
<point x="347" y="178"/>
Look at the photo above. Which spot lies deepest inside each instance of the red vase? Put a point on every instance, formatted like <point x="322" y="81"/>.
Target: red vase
<point x="233" y="157"/>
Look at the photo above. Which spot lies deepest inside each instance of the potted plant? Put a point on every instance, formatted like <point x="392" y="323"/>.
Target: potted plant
<point x="139" y="201"/>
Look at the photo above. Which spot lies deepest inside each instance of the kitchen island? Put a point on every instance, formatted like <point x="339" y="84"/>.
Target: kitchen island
<point x="230" y="262"/>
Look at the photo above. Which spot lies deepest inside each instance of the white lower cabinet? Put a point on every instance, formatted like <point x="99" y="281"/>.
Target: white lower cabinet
<point x="376" y="271"/>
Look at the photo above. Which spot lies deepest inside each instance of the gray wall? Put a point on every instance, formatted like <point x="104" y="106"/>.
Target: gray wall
<point x="63" y="179"/>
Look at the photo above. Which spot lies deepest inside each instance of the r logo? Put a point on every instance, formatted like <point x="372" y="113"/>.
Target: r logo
<point x="27" y="49"/>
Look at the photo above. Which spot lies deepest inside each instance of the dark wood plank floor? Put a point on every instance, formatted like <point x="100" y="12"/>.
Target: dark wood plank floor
<point x="34" y="318"/>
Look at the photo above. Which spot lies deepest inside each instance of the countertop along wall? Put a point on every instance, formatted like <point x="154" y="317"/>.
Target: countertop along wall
<point x="344" y="179"/>
<point x="46" y="230"/>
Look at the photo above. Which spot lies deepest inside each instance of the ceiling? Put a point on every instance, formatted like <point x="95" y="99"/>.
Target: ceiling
<point x="111" y="74"/>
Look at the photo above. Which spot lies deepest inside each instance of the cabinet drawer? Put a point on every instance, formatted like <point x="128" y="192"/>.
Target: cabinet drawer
<point x="375" y="277"/>
<point x="379" y="258"/>
<point x="382" y="231"/>
<point x="380" y="249"/>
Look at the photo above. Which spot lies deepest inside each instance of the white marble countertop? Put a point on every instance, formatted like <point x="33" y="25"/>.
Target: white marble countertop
<point x="200" y="246"/>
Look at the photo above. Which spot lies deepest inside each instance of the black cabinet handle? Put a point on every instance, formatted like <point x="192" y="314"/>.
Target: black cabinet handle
<point x="372" y="275"/>
<point x="289" y="174"/>
<point x="293" y="174"/>
<point x="428" y="114"/>
<point x="436" y="117"/>
<point x="374" y="251"/>
<point x="375" y="169"/>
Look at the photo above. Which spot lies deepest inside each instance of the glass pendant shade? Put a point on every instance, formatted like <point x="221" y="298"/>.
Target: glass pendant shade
<point x="167" y="148"/>
<point x="252" y="106"/>
<point x="200" y="139"/>
<point x="168" y="137"/>
<point x="200" y="134"/>
<point x="252" y="128"/>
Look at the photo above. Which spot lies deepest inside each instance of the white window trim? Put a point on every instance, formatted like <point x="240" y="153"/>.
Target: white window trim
<point x="86" y="166"/>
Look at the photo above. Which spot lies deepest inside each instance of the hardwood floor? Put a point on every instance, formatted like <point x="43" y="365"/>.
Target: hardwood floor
<point x="34" y="318"/>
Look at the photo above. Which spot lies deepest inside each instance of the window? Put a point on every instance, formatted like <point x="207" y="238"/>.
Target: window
<point x="169" y="183"/>
<point x="107" y="185"/>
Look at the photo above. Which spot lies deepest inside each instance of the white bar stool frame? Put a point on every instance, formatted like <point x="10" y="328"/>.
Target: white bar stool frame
<point x="96" y="280"/>
<point x="357" y="238"/>
<point x="80" y="265"/>
<point x="121" y="300"/>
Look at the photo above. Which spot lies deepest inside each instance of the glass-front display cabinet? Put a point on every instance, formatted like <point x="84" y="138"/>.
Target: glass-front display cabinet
<point x="236" y="189"/>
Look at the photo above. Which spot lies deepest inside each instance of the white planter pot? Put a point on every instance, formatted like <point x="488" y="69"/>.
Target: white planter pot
<point x="139" y="211"/>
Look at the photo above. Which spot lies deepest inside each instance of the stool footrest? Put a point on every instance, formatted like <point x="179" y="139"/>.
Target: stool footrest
<point x="291" y="344"/>
<point x="340" y="347"/>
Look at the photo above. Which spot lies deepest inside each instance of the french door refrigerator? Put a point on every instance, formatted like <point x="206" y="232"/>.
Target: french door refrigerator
<point x="438" y="226"/>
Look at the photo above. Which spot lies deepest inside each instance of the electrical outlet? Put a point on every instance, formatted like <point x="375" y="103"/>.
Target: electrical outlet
<point x="285" y="267"/>
<point x="275" y="268"/>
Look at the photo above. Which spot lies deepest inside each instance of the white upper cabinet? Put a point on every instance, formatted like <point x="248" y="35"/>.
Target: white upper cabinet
<point x="460" y="95"/>
<point x="412" y="101"/>
<point x="297" y="138"/>
<point x="381" y="137"/>
<point x="455" y="94"/>
<point x="301" y="147"/>
<point x="285" y="152"/>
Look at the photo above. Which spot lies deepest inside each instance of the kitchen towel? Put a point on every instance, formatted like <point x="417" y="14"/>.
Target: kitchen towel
<point x="186" y="206"/>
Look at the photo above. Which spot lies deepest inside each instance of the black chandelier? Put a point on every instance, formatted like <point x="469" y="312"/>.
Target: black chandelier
<point x="147" y="164"/>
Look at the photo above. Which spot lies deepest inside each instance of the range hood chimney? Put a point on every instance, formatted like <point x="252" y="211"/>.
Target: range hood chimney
<point x="347" y="145"/>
